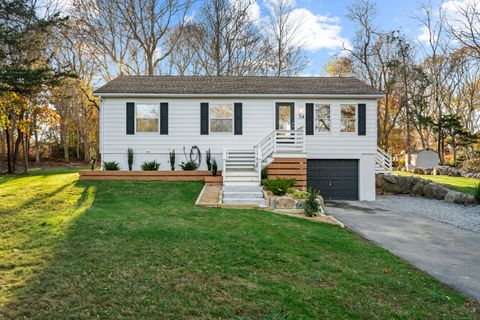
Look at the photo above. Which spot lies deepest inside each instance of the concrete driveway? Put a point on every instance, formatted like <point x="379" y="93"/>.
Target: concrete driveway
<point x="447" y="252"/>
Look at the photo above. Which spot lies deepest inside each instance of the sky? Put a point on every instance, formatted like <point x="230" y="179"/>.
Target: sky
<point x="329" y="26"/>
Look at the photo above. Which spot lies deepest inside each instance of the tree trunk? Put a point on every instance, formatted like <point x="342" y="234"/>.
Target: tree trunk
<point x="16" y="149"/>
<point x="9" y="151"/>
<point x="25" y="153"/>
<point x="37" y="143"/>
<point x="65" y="148"/>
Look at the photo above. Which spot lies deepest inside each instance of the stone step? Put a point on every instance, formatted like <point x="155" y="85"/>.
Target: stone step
<point x="241" y="183"/>
<point x="243" y="189"/>
<point x="244" y="201"/>
<point x="236" y="195"/>
<point x="241" y="178"/>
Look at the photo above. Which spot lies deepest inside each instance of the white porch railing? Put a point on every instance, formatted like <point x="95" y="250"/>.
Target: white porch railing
<point x="383" y="161"/>
<point x="283" y="141"/>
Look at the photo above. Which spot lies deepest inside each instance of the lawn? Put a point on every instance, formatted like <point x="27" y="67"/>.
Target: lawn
<point x="74" y="249"/>
<point x="462" y="184"/>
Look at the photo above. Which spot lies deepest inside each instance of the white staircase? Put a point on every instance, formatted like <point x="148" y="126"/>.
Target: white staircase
<point x="383" y="162"/>
<point x="242" y="168"/>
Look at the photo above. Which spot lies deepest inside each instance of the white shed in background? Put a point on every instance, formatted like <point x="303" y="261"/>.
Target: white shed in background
<point x="425" y="158"/>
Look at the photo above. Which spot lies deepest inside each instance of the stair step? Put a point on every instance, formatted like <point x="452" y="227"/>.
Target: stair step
<point x="230" y="167"/>
<point x="236" y="194"/>
<point x="243" y="189"/>
<point x="240" y="178"/>
<point x="246" y="173"/>
<point x="240" y="152"/>
<point x="241" y="183"/>
<point x="254" y="201"/>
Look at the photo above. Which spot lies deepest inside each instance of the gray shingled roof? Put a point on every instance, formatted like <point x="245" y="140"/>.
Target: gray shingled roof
<point x="235" y="85"/>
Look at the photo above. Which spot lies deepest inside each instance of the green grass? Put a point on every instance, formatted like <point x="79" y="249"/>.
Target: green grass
<point x="462" y="184"/>
<point x="74" y="249"/>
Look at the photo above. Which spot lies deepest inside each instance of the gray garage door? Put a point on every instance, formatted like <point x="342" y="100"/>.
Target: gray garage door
<point x="335" y="179"/>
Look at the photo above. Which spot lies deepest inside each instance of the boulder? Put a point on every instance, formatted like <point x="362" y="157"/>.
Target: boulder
<point x="378" y="180"/>
<point x="428" y="191"/>
<point x="428" y="171"/>
<point x="418" y="171"/>
<point x="299" y="204"/>
<point x="409" y="167"/>
<point x="269" y="196"/>
<point x="284" y="202"/>
<point x="390" y="178"/>
<point x="468" y="199"/>
<point x="417" y="189"/>
<point x="440" y="170"/>
<point x="439" y="192"/>
<point x="454" y="197"/>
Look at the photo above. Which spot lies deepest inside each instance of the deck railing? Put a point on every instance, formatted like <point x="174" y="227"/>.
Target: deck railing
<point x="383" y="161"/>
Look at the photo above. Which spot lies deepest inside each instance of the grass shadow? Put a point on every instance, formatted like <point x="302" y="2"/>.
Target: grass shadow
<point x="143" y="250"/>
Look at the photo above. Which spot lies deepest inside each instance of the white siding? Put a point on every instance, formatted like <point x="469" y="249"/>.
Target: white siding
<point x="258" y="121"/>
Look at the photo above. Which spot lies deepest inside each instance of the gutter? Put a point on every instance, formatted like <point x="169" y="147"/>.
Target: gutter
<point x="232" y="95"/>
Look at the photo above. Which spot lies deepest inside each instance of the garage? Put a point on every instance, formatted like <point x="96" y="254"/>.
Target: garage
<point x="334" y="178"/>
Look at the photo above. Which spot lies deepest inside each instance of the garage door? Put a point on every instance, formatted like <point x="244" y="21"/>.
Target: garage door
<point x="335" y="179"/>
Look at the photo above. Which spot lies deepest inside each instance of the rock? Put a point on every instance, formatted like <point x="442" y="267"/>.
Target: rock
<point x="428" y="190"/>
<point x="390" y="178"/>
<point x="299" y="204"/>
<point x="439" y="192"/>
<point x="440" y="170"/>
<point x="468" y="199"/>
<point x="269" y="196"/>
<point x="428" y="171"/>
<point x="284" y="202"/>
<point x="321" y="201"/>
<point x="454" y="197"/>
<point x="410" y="167"/>
<point x="417" y="190"/>
<point x="418" y="171"/>
<point x="378" y="180"/>
<point x="406" y="184"/>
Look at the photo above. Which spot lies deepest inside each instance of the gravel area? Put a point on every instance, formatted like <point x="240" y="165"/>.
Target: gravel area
<point x="458" y="215"/>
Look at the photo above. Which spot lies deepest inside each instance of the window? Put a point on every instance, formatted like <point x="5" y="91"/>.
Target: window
<point x="221" y="118"/>
<point x="322" y="118"/>
<point x="348" y="118"/>
<point x="147" y="116"/>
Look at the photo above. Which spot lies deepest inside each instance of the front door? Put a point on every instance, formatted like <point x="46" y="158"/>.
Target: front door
<point x="285" y="116"/>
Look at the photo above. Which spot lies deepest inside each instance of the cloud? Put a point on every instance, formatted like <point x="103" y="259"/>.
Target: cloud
<point x="253" y="9"/>
<point x="318" y="31"/>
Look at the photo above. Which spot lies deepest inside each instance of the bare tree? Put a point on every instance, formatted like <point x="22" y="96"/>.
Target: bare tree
<point x="284" y="32"/>
<point x="466" y="28"/>
<point x="232" y="44"/>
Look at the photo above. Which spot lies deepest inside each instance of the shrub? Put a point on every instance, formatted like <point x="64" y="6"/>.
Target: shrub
<point x="130" y="158"/>
<point x="214" y="167"/>
<point x="279" y="186"/>
<point x="208" y="159"/>
<point x="93" y="161"/>
<point x="189" y="165"/>
<point x="311" y="206"/>
<point x="298" y="194"/>
<point x="171" y="160"/>
<point x="111" y="165"/>
<point x="264" y="173"/>
<point x="150" y="165"/>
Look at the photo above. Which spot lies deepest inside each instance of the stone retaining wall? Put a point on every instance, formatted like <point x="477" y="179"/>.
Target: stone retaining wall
<point x="418" y="187"/>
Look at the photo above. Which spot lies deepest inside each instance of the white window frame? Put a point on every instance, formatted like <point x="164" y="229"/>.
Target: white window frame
<point x="315" y="118"/>
<point x="147" y="132"/>
<point x="210" y="105"/>
<point x="355" y="118"/>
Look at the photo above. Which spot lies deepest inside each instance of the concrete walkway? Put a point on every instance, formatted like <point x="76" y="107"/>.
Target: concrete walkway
<point x="447" y="252"/>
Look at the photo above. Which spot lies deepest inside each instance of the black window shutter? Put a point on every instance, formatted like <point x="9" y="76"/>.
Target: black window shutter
<point x="238" y="121"/>
<point x="204" y="118"/>
<point x="164" y="118"/>
<point x="130" y="118"/>
<point x="309" y="119"/>
<point x="362" y="119"/>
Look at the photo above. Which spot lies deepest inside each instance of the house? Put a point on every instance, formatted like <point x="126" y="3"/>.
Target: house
<point x="325" y="127"/>
<point x="424" y="158"/>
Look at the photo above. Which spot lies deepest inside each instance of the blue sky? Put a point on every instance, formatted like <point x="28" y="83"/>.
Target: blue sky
<point x="391" y="15"/>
